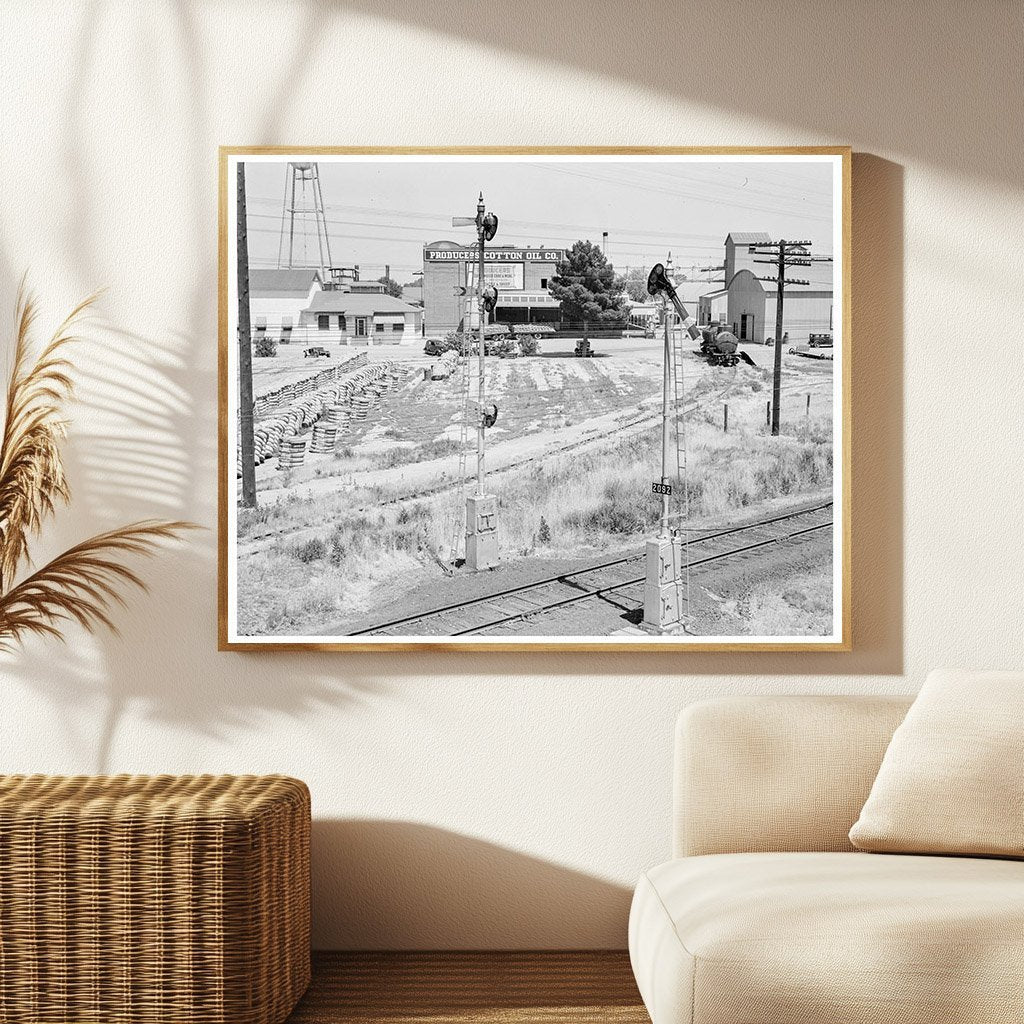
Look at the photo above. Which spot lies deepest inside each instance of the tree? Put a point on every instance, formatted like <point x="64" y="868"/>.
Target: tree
<point x="391" y="287"/>
<point x="636" y="284"/>
<point x="588" y="289"/>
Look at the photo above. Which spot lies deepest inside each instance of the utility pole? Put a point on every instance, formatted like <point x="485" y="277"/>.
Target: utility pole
<point x="780" y="298"/>
<point x="246" y="443"/>
<point x="782" y="255"/>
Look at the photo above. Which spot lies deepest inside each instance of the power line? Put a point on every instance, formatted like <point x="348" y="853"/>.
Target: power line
<point x="613" y="229"/>
<point x="564" y="241"/>
<point x="681" y="194"/>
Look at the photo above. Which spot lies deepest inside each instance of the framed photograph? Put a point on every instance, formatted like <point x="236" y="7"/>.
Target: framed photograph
<point x="506" y="399"/>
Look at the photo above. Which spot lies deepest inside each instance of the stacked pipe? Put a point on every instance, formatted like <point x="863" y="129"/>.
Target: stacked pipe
<point x="292" y="453"/>
<point x="357" y="392"/>
<point x="273" y="401"/>
<point x="324" y="436"/>
<point x="337" y="416"/>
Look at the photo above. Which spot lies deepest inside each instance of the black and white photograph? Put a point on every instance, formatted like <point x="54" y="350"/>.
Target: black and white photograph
<point x="585" y="399"/>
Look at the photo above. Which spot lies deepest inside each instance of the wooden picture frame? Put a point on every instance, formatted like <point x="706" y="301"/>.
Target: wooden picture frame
<point x="524" y="594"/>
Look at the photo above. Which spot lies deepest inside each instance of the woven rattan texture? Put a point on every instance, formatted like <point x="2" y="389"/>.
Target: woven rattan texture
<point x="144" y="899"/>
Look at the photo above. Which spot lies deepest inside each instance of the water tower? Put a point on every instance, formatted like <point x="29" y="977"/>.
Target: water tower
<point x="302" y="219"/>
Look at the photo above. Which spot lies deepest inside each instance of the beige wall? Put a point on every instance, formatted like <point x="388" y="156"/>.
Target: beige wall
<point x="481" y="800"/>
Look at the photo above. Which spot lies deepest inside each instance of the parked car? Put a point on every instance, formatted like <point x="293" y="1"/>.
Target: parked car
<point x="820" y="341"/>
<point x="316" y="352"/>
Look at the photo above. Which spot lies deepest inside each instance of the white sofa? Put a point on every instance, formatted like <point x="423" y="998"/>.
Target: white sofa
<point x="768" y="915"/>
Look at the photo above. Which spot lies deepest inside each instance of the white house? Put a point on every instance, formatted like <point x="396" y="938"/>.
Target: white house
<point x="361" y="318"/>
<point x="277" y="298"/>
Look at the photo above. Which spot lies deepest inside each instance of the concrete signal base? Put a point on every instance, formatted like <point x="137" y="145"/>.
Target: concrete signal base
<point x="481" y="531"/>
<point x="662" y="610"/>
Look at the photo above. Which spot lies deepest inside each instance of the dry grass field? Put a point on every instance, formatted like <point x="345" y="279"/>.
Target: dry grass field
<point x="571" y="459"/>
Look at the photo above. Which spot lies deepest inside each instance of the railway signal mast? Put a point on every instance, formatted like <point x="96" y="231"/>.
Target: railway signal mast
<point x="783" y="255"/>
<point x="481" y="507"/>
<point x="663" y="611"/>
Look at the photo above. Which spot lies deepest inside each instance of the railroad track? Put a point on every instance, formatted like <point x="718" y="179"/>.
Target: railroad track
<point x="615" y="581"/>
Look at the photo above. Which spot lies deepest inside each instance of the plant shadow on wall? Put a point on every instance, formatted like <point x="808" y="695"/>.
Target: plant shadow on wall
<point x="146" y="442"/>
<point x="129" y="455"/>
<point x="916" y="78"/>
<point x="148" y="446"/>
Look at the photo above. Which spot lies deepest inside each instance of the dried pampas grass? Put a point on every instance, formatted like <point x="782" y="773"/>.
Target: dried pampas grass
<point x="83" y="583"/>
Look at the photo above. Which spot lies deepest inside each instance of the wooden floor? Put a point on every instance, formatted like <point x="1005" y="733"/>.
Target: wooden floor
<point x="466" y="988"/>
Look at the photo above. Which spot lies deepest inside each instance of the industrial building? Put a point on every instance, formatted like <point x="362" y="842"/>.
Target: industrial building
<point x="520" y="275"/>
<point x="748" y="305"/>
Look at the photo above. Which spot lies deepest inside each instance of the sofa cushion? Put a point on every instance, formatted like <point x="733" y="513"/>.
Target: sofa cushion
<point x="830" y="938"/>
<point x="950" y="781"/>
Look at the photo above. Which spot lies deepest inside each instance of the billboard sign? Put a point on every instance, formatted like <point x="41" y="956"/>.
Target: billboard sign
<point x="506" y="277"/>
<point x="459" y="254"/>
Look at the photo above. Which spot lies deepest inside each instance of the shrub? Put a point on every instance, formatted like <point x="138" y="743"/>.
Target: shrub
<point x="311" y="551"/>
<point x="544" y="533"/>
<point x="620" y="512"/>
<point x="413" y="513"/>
<point x="403" y="456"/>
<point x="504" y="349"/>
<point x="265" y="347"/>
<point x="529" y="346"/>
<point x="337" y="550"/>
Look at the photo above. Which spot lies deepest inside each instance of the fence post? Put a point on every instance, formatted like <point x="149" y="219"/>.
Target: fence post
<point x="725" y="418"/>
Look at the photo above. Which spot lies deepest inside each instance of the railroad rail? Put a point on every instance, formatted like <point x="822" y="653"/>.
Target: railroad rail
<point x="604" y="580"/>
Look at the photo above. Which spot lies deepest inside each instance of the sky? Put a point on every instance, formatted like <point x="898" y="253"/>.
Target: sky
<point x="381" y="211"/>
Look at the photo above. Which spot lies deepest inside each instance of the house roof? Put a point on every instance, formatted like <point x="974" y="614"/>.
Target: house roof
<point x="749" y="237"/>
<point x="282" y="282"/>
<point x="358" y="304"/>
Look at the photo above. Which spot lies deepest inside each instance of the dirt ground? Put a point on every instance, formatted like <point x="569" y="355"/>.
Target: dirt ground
<point x="554" y="412"/>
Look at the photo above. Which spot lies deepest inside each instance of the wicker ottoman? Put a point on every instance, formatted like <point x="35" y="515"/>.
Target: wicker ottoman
<point x="134" y="899"/>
